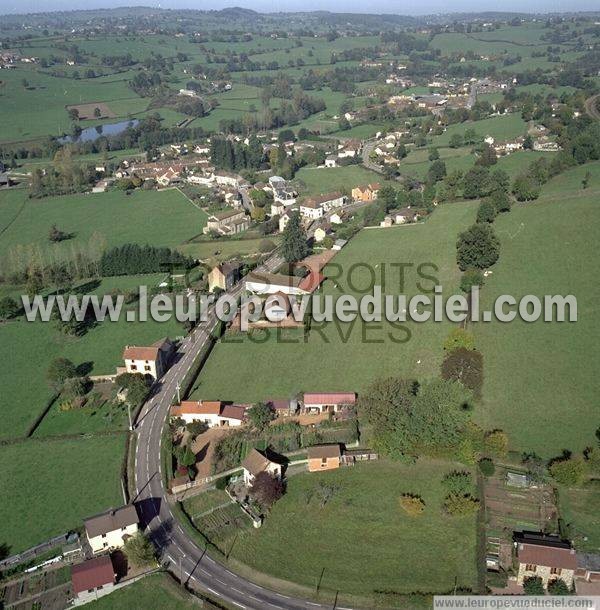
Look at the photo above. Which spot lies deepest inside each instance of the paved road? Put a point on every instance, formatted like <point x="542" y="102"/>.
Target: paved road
<point x="175" y="547"/>
<point x="591" y="107"/>
<point x="368" y="148"/>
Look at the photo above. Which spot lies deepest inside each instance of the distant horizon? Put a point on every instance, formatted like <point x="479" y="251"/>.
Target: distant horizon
<point x="394" y="7"/>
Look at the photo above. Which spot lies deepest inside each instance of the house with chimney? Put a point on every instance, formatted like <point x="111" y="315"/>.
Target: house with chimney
<point x="213" y="413"/>
<point x="152" y="361"/>
<point x="111" y="529"/>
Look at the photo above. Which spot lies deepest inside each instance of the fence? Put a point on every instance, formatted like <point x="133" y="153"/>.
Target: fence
<point x="36" y="551"/>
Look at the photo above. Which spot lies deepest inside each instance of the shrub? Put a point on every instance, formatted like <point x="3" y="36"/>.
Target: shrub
<point x="457" y="482"/>
<point x="266" y="245"/>
<point x="568" y="471"/>
<point x="496" y="443"/>
<point x="470" y="278"/>
<point x="486" y="466"/>
<point x="460" y="505"/>
<point x="465" y="366"/>
<point x="412" y="505"/>
<point x="558" y="587"/>
<point x="533" y="585"/>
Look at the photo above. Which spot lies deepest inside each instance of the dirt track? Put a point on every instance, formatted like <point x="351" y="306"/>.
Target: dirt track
<point x="591" y="107"/>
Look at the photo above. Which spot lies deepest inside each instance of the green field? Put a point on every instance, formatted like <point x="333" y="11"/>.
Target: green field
<point x="28" y="347"/>
<point x="50" y="486"/>
<point x="154" y="591"/>
<point x="214" y="251"/>
<point x="316" y="181"/>
<point x="347" y="357"/>
<point x="160" y="218"/>
<point x="579" y="510"/>
<point x="502" y="128"/>
<point x="541" y="372"/>
<point x="362" y="541"/>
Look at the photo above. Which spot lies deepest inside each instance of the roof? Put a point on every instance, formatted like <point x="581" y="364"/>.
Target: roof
<point x="279" y="404"/>
<point x="255" y="462"/>
<point x="151" y="352"/>
<point x="227" y="268"/>
<point x="92" y="573"/>
<point x="110" y="521"/>
<point x="317" y="201"/>
<point x="327" y="398"/>
<point x="233" y="412"/>
<point x="311" y="282"/>
<point x="549" y="556"/>
<point x="589" y="561"/>
<point x="197" y="407"/>
<point x="324" y="451"/>
<point x="274" y="279"/>
<point x="227" y="214"/>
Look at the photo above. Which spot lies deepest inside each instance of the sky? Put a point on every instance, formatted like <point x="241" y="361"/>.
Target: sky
<point x="401" y="7"/>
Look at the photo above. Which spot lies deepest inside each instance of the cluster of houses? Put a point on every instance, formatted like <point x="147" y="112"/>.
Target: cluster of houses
<point x="349" y="149"/>
<point x="219" y="414"/>
<point x="9" y="59"/>
<point x="104" y="533"/>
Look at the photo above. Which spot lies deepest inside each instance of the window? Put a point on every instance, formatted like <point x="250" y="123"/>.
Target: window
<point x="555" y="571"/>
<point x="103" y="535"/>
<point x="530" y="567"/>
<point x="323" y="462"/>
<point x="147" y="367"/>
<point x="134" y="367"/>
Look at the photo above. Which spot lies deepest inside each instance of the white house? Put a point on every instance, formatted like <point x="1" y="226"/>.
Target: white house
<point x="328" y="402"/>
<point x="152" y="360"/>
<point x="110" y="530"/>
<point x="255" y="463"/>
<point x="201" y="179"/>
<point x="211" y="412"/>
<point x="330" y="162"/>
<point x="314" y="207"/>
<point x="228" y="179"/>
<point x="349" y="149"/>
<point x="311" y="209"/>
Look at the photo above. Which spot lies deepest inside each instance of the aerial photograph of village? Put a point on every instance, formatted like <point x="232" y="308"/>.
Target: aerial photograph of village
<point x="297" y="304"/>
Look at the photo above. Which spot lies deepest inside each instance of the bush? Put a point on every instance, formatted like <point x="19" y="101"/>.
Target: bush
<point x="457" y="482"/>
<point x="558" y="587"/>
<point x="486" y="466"/>
<point x="533" y="586"/>
<point x="460" y="505"/>
<point x="477" y="247"/>
<point x="569" y="471"/>
<point x="412" y="505"/>
<point x="470" y="278"/>
<point x="496" y="443"/>
<point x="266" y="245"/>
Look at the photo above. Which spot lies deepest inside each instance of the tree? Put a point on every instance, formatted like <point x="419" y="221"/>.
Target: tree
<point x="185" y="456"/>
<point x="477" y="247"/>
<point x="499" y="181"/>
<point x="139" y="550"/>
<point x="487" y="157"/>
<point x="533" y="585"/>
<point x="486" y="466"/>
<point x="486" y="212"/>
<point x="413" y="505"/>
<point x="528" y="142"/>
<point x="97" y="112"/>
<point x="525" y="188"/>
<point x="459" y="338"/>
<point x="136" y="386"/>
<point x="476" y="183"/>
<point x="266" y="489"/>
<point x="60" y="370"/>
<point x="465" y="366"/>
<point x="500" y="200"/>
<point x="75" y="387"/>
<point x="9" y="308"/>
<point x="437" y="171"/>
<point x="456" y="141"/>
<point x="56" y="235"/>
<point x="294" y="247"/>
<point x="73" y="114"/>
<point x="495" y="443"/>
<point x="260" y="415"/>
<point x="558" y="587"/>
<point x="434" y="154"/>
<point x="568" y="471"/>
<point x="470" y="278"/>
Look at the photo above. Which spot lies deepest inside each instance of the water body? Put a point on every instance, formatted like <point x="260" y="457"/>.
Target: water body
<point x="89" y="134"/>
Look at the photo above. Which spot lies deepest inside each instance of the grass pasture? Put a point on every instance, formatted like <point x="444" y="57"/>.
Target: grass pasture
<point x="544" y="372"/>
<point x="50" y="486"/>
<point x="579" y="509"/>
<point x="359" y="542"/>
<point x="319" y="180"/>
<point x="279" y="365"/>
<point x="160" y="218"/>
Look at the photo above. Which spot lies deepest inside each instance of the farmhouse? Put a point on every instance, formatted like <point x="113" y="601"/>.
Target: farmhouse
<point x="230" y="222"/>
<point x="311" y="209"/>
<point x="350" y="149"/>
<point x="403" y="215"/>
<point x="224" y="276"/>
<point x="93" y="578"/>
<point x="273" y="283"/>
<point x="213" y="413"/>
<point x="255" y="463"/>
<point x="324" y="457"/>
<point x="366" y="192"/>
<point x="152" y="361"/>
<point x="327" y="402"/>
<point x="110" y="530"/>
<point x="545" y="556"/>
<point x="314" y="207"/>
